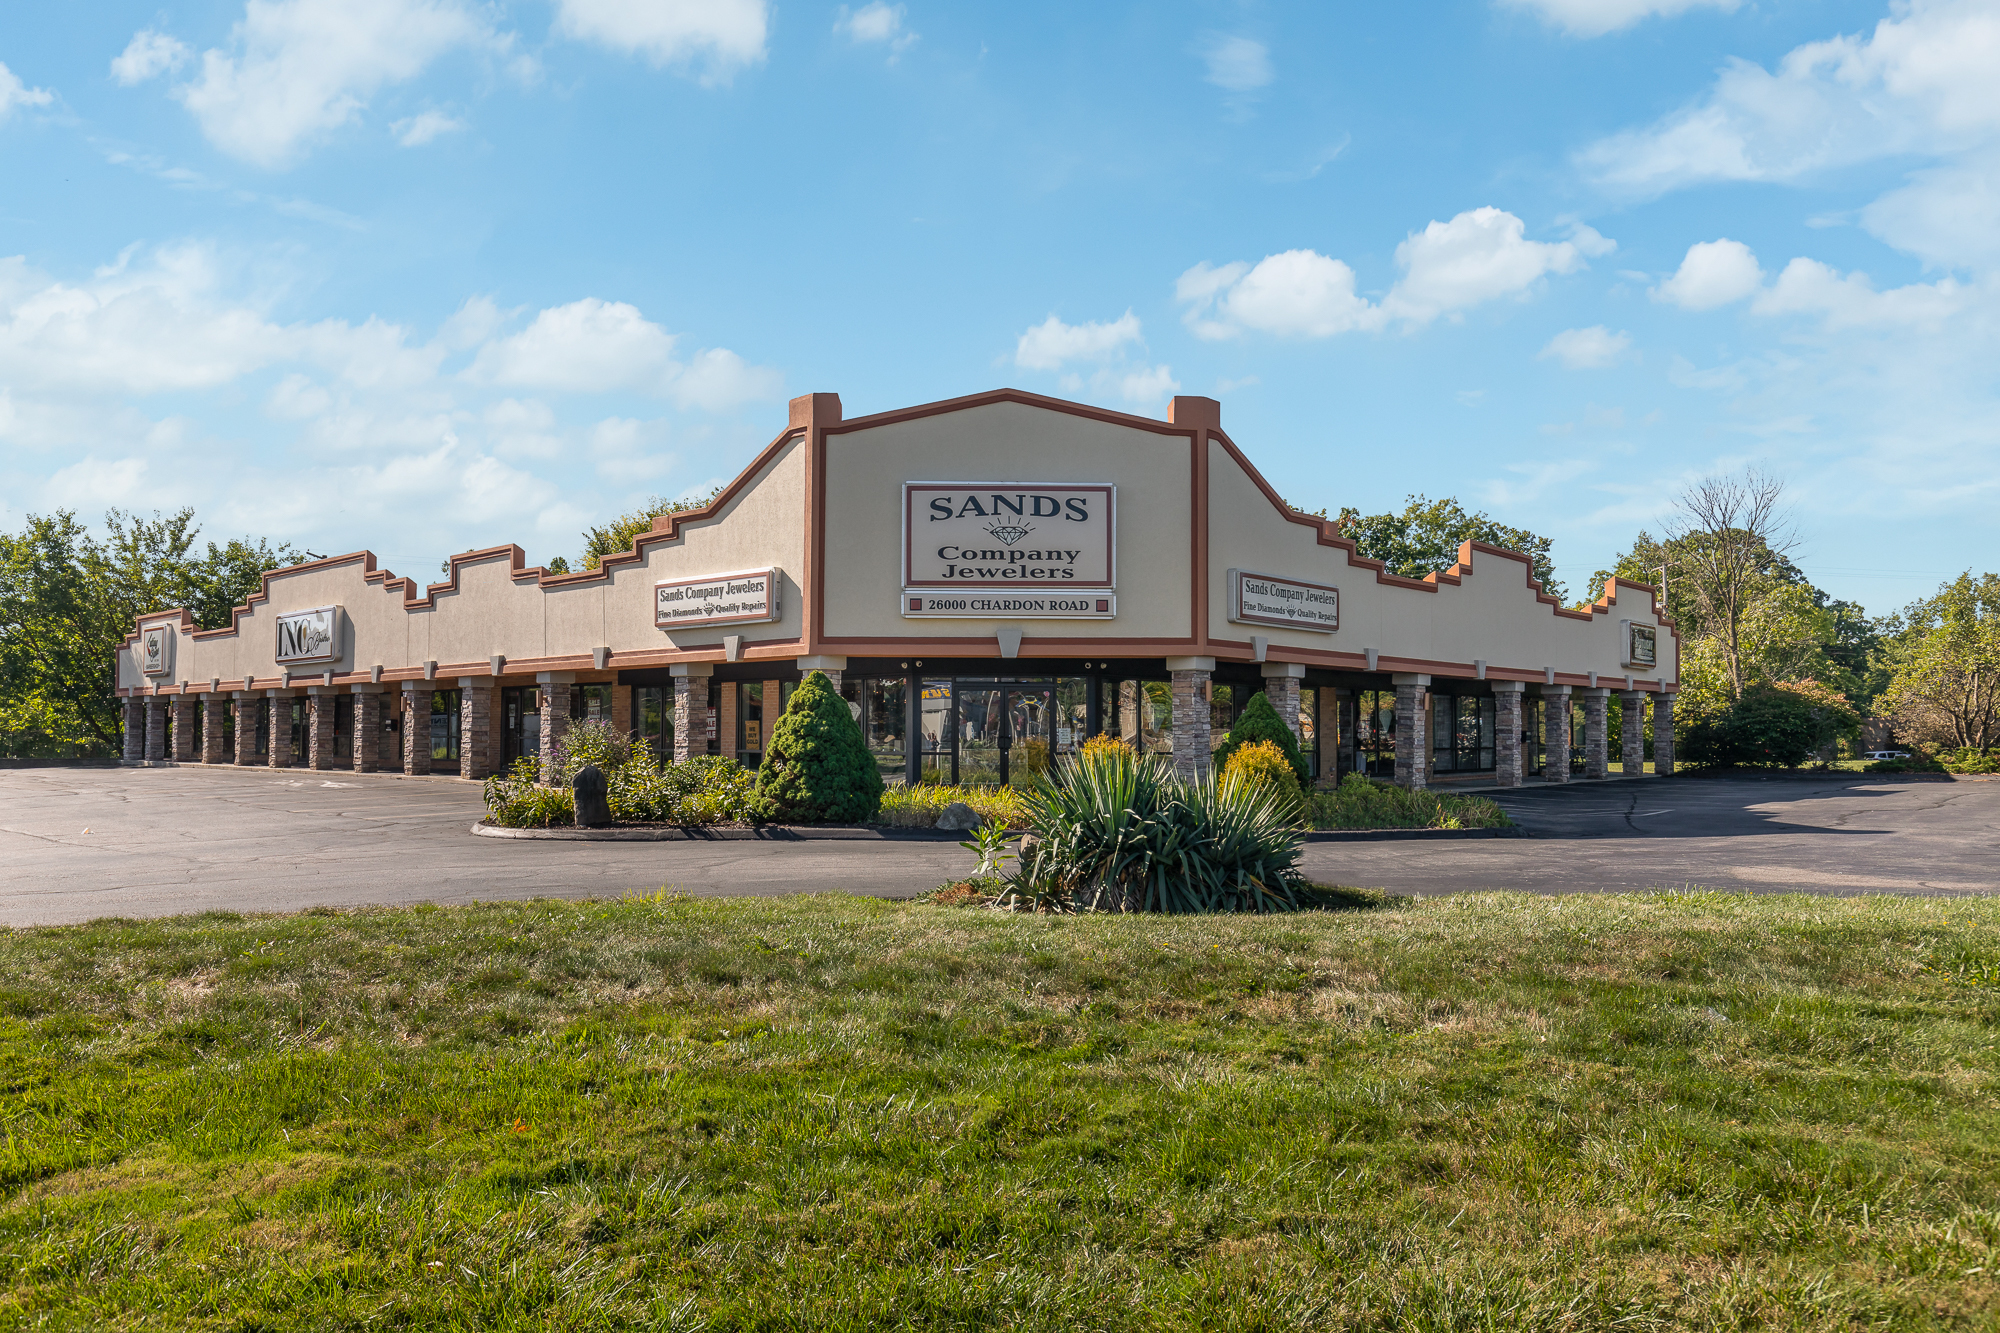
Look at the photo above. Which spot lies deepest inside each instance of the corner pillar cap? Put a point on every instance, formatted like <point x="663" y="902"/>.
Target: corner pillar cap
<point x="474" y="682"/>
<point x="412" y="686"/>
<point x="815" y="409"/>
<point x="1510" y="687"/>
<point x="1284" y="670"/>
<point x="555" y="678"/>
<point x="1413" y="678"/>
<point x="1555" y="689"/>
<point x="244" y="696"/>
<point x="368" y="689"/>
<point x="691" y="670"/>
<point x="1632" y="696"/>
<point x="1188" y="410"/>
<point x="1190" y="664"/>
<point x="822" y="662"/>
<point x="1595" y="692"/>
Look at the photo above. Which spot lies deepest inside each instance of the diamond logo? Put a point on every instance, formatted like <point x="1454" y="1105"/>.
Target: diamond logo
<point x="1011" y="532"/>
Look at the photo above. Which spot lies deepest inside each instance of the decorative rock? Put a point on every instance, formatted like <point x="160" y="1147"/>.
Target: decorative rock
<point x="588" y="788"/>
<point x="1026" y="851"/>
<point x="958" y="815"/>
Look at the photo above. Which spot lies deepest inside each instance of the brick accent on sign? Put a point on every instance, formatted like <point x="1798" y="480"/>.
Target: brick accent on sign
<point x="319" y="731"/>
<point x="156" y="729"/>
<point x="690" y="701"/>
<point x="555" y="725"/>
<point x="475" y="731"/>
<point x="1191" y="724"/>
<point x="1632" y="733"/>
<point x="417" y="729"/>
<point x="184" y="728"/>
<point x="1663" y="734"/>
<point x="1555" y="738"/>
<point x="368" y="732"/>
<point x="1507" y="727"/>
<point x="213" y="707"/>
<point x="1596" y="734"/>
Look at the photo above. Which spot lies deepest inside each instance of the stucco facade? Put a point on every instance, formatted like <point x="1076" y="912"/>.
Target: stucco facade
<point x="1165" y="564"/>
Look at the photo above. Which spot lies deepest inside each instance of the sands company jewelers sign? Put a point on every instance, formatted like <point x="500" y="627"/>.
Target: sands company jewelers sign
<point x="1262" y="599"/>
<point x="156" y="650"/>
<point x="748" y="596"/>
<point x="309" y="636"/>
<point x="1055" y="536"/>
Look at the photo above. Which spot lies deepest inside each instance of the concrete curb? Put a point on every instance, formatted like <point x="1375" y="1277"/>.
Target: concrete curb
<point x="1411" y="834"/>
<point x="704" y="833"/>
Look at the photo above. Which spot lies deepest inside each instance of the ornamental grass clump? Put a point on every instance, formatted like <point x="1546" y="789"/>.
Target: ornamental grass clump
<point x="921" y="805"/>
<point x="1362" y="803"/>
<point x="817" y="768"/>
<point x="1118" y="833"/>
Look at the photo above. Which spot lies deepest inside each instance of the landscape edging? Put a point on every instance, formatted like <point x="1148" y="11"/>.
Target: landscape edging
<point x="875" y="833"/>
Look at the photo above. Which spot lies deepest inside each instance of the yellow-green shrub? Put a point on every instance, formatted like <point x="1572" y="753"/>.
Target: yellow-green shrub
<point x="1264" y="762"/>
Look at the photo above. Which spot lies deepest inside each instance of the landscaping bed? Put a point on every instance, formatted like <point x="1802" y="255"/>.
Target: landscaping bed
<point x="1666" y="1111"/>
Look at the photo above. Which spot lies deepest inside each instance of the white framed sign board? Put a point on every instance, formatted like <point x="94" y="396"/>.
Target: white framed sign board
<point x="1266" y="599"/>
<point x="311" y="635"/>
<point x="156" y="650"/>
<point x="743" y="597"/>
<point x="1017" y="536"/>
<point x="1641" y="644"/>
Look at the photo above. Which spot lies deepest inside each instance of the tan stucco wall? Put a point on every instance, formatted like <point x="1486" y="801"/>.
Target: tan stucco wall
<point x="1492" y="615"/>
<point x="1003" y="442"/>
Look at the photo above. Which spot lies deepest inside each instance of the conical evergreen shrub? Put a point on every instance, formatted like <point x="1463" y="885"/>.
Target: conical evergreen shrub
<point x="817" y="769"/>
<point x="1260" y="722"/>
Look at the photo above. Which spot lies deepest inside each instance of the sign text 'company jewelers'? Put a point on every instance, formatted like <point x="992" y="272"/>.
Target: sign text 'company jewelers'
<point x="1260" y="599"/>
<point x="920" y="602"/>
<point x="745" y="597"/>
<point x="1053" y="535"/>
<point x="309" y="636"/>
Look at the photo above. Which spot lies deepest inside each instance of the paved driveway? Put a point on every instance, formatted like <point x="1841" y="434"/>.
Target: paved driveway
<point x="82" y="843"/>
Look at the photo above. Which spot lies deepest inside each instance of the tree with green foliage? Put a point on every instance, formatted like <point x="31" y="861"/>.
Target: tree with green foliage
<point x="817" y="768"/>
<point x="1259" y="721"/>
<point x="68" y="599"/>
<point x="1945" y="686"/>
<point x="619" y="534"/>
<point x="1425" y="538"/>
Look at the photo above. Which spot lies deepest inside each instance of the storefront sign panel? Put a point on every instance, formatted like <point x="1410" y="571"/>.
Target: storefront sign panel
<point x="309" y="636"/>
<point x="919" y="603"/>
<point x="156" y="650"/>
<point x="1642" y="645"/>
<point x="748" y="596"/>
<point x="1054" y="535"/>
<point x="1261" y="599"/>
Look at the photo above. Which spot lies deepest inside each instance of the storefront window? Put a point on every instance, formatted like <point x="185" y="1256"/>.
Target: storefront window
<point x="343" y="730"/>
<point x="444" y="726"/>
<point x="877" y="706"/>
<point x="750" y="722"/>
<point x="653" y="714"/>
<point x="521" y="722"/>
<point x="1462" y="733"/>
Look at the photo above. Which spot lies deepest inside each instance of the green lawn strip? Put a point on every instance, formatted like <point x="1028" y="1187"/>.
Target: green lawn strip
<point x="1677" y="1110"/>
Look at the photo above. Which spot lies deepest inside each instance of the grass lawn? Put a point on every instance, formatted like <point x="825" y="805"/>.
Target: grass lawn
<point x="1681" y="1110"/>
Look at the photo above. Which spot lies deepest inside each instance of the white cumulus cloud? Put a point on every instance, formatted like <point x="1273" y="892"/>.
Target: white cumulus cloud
<point x="1237" y="64"/>
<point x="716" y="37"/>
<point x="418" y="130"/>
<point x="1050" y="343"/>
<point x="596" y="346"/>
<point x="148" y="55"/>
<point x="14" y="93"/>
<point x="876" y="24"/>
<point x="1477" y="256"/>
<point x="1713" y="273"/>
<point x="1587" y="349"/>
<point x="299" y="69"/>
<point x="1808" y="287"/>
<point x="1594" y="18"/>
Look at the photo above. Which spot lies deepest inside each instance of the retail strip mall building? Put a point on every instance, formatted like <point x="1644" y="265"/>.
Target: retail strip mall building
<point x="994" y="578"/>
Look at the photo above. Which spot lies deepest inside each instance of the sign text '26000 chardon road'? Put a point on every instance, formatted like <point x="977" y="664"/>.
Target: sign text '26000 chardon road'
<point x="1057" y="536"/>
<point x="744" y="597"/>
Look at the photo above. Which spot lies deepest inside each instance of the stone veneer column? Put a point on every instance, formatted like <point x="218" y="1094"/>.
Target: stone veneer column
<point x="416" y="728"/>
<point x="1597" y="732"/>
<point x="1663" y="734"/>
<point x="156" y="728"/>
<point x="691" y="709"/>
<point x="319" y="726"/>
<point x="475" y="727"/>
<point x="1555" y="733"/>
<point x="1632" y="733"/>
<point x="1509" y="768"/>
<point x="367" y="749"/>
<point x="278" y="737"/>
<point x="1192" y="730"/>
<point x="184" y="729"/>
<point x="1281" y="687"/>
<point x="212" y="706"/>
<point x="555" y="716"/>
<point x="246" y="703"/>
<point x="135" y="730"/>
<point x="1413" y="738"/>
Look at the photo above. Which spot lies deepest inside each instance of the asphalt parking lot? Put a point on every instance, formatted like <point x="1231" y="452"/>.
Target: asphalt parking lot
<point x="81" y="843"/>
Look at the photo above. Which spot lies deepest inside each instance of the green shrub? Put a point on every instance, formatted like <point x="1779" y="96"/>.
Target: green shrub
<point x="516" y="798"/>
<point x="1260" y="722"/>
<point x="1362" y="803"/>
<point x="1124" y="834"/>
<point x="1783" y="723"/>
<point x="1918" y="762"/>
<point x="1262" y="761"/>
<point x="1969" y="761"/>
<point x="707" y="789"/>
<point x="920" y="806"/>
<point x="817" y="768"/>
<point x="590" y="741"/>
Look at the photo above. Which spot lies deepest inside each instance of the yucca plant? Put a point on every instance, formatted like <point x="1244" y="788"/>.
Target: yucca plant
<point x="1120" y="833"/>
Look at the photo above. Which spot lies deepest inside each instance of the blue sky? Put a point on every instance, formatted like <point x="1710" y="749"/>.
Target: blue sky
<point x="425" y="275"/>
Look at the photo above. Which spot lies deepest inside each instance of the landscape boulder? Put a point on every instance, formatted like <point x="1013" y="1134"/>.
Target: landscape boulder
<point x="589" y="787"/>
<point x="959" y="815"/>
